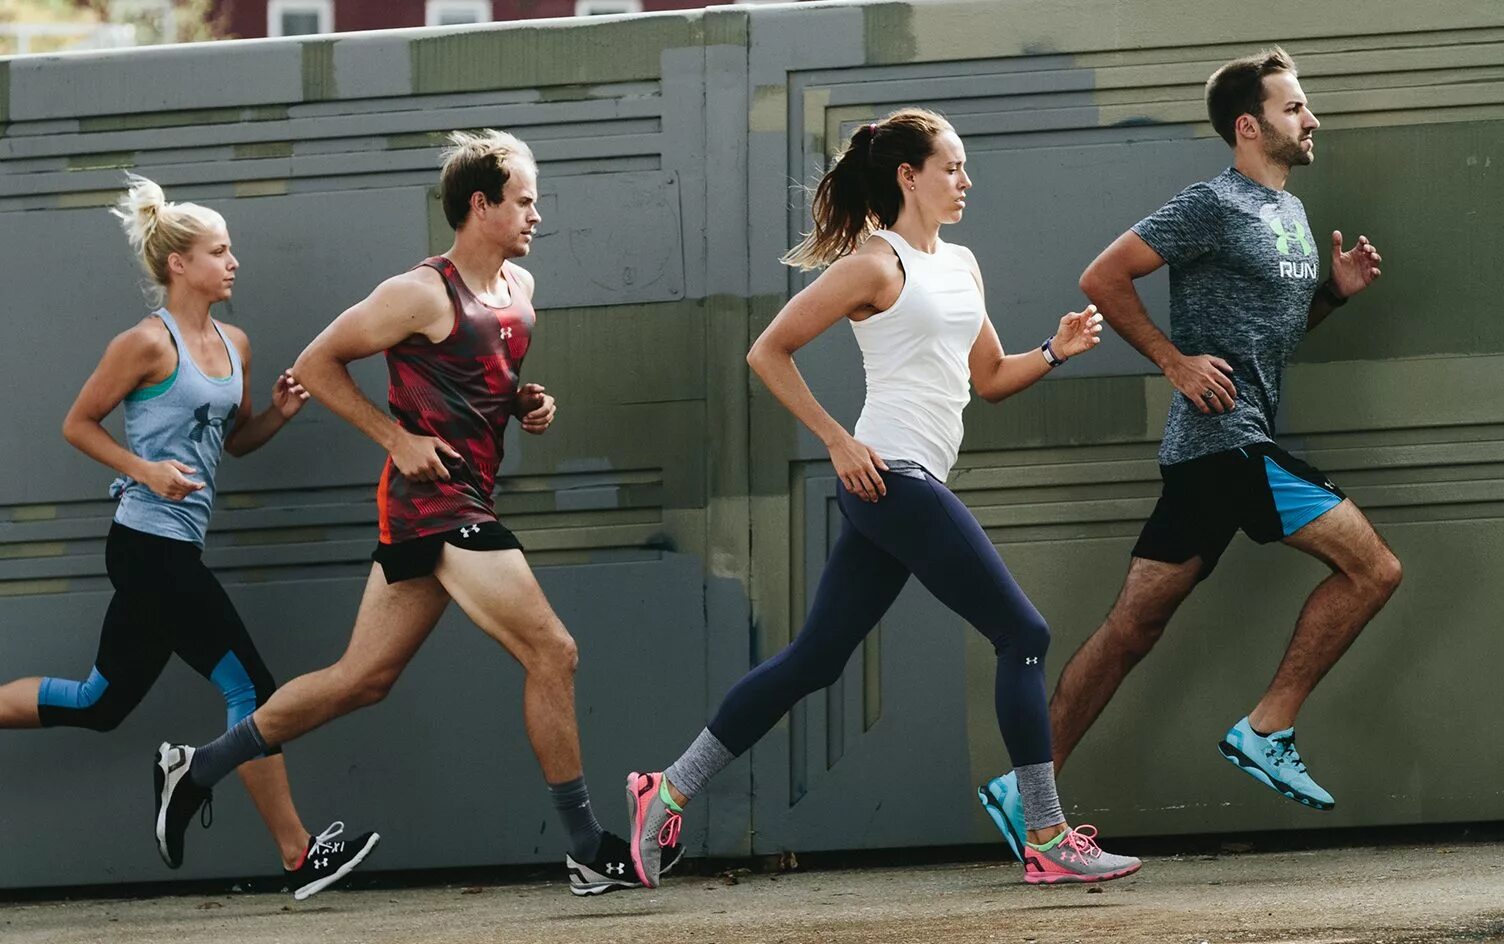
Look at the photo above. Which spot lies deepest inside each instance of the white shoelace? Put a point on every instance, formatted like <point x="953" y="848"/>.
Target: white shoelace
<point x="324" y="841"/>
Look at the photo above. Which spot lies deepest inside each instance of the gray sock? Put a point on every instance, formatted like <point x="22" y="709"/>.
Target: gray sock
<point x="572" y="801"/>
<point x="214" y="761"/>
<point x="1036" y="788"/>
<point x="706" y="757"/>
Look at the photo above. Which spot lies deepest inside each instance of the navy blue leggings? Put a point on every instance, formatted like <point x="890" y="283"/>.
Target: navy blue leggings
<point x="918" y="528"/>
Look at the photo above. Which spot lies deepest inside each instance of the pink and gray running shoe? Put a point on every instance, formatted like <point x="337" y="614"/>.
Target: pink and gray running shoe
<point x="1074" y="856"/>
<point x="655" y="820"/>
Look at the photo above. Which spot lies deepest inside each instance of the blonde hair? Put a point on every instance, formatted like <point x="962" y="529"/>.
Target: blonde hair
<point x="479" y="161"/>
<point x="860" y="192"/>
<point x="157" y="229"/>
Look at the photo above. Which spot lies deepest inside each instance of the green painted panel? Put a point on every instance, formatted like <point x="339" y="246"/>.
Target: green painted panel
<point x="533" y="56"/>
<point x="1064" y="411"/>
<point x="263" y="149"/>
<point x="180" y="119"/>
<point x="102" y="161"/>
<point x="725" y="27"/>
<point x="889" y="32"/>
<point x="318" y="71"/>
<point x="1430" y="197"/>
<point x="416" y="139"/>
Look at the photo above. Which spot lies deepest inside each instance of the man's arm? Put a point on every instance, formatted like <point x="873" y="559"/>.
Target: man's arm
<point x="532" y="405"/>
<point x="413" y="303"/>
<point x="1352" y="272"/>
<point x="1204" y="380"/>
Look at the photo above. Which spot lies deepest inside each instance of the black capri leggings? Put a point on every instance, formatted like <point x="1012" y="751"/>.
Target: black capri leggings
<point x="166" y="601"/>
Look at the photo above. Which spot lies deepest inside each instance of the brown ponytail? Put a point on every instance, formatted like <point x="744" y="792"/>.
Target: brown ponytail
<point x="860" y="192"/>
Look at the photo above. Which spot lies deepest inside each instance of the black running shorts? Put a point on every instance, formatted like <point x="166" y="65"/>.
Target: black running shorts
<point x="418" y="557"/>
<point x="1259" y="488"/>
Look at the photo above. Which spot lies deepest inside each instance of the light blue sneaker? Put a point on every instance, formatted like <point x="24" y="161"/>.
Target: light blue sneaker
<point x="1274" y="762"/>
<point x="1001" y="799"/>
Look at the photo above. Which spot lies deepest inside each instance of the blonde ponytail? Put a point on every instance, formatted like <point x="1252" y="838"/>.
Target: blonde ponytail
<point x="156" y="229"/>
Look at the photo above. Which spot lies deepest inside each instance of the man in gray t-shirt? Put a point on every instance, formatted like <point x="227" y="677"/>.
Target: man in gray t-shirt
<point x="1243" y="272"/>
<point x="1244" y="290"/>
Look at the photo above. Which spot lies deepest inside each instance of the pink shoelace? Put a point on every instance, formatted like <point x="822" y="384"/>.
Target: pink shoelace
<point x="1082" y="841"/>
<point x="668" y="834"/>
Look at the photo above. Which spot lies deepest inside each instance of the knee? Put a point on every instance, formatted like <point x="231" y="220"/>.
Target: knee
<point x="103" y="716"/>
<point x="1028" y="637"/>
<point x="369" y="687"/>
<point x="554" y="653"/>
<point x="814" y="675"/>
<point x="1034" y="634"/>
<point x="1134" y="636"/>
<point x="1381" y="574"/>
<point x="90" y="704"/>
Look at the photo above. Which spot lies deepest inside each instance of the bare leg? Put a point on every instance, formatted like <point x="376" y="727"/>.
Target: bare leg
<point x="497" y="590"/>
<point x="1152" y="592"/>
<point x="18" y="704"/>
<point x="1365" y="573"/>
<point x="393" y="621"/>
<point x="265" y="780"/>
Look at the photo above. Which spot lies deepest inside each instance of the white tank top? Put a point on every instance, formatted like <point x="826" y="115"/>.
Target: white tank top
<point x="915" y="355"/>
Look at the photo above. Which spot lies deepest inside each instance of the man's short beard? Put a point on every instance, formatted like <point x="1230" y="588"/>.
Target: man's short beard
<point x="1283" y="150"/>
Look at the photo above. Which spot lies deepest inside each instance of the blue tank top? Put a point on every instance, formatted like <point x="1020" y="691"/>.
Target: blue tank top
<point x="185" y="417"/>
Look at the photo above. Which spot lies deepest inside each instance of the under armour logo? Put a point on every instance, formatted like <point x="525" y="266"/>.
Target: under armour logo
<point x="1031" y="660"/>
<point x="320" y="863"/>
<point x="1284" y="231"/>
<point x="468" y="530"/>
<point x="202" y="421"/>
<point x="616" y="868"/>
<point x="506" y="333"/>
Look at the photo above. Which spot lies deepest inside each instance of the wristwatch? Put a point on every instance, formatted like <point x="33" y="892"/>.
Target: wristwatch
<point x="1053" y="359"/>
<point x="1326" y="291"/>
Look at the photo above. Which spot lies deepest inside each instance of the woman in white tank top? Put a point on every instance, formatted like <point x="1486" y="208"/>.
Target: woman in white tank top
<point x="915" y="304"/>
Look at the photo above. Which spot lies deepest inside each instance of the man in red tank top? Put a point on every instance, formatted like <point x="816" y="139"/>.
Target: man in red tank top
<point x="454" y="330"/>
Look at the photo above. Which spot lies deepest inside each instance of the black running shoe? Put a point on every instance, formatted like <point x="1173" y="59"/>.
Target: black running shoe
<point x="327" y="860"/>
<point x="178" y="798"/>
<point x="609" y="871"/>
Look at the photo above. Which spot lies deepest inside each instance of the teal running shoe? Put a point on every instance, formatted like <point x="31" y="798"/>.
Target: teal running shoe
<point x="1274" y="762"/>
<point x="1001" y="799"/>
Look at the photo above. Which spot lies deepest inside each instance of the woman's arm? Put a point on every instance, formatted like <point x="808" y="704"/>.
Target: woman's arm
<point x="253" y="430"/>
<point x="997" y="375"/>
<point x="859" y="283"/>
<point x="131" y="360"/>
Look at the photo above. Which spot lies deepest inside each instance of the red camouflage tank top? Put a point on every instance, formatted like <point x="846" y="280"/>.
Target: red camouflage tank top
<point x="460" y="390"/>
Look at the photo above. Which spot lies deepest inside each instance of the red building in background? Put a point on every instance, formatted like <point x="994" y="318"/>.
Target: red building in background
<point x="247" y="19"/>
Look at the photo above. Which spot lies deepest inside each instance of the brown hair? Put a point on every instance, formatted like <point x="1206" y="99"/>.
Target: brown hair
<point x="157" y="229"/>
<point x="1238" y="89"/>
<point x="860" y="192"/>
<point x="479" y="162"/>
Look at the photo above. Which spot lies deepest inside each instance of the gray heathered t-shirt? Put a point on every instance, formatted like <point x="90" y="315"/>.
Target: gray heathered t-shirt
<point x="1243" y="269"/>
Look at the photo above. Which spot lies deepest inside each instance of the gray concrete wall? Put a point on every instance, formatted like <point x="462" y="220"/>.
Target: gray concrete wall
<point x="676" y="514"/>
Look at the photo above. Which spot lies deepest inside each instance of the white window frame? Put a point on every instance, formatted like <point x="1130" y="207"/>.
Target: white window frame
<point x="324" y="9"/>
<point x="612" y="7"/>
<point x="434" y="10"/>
